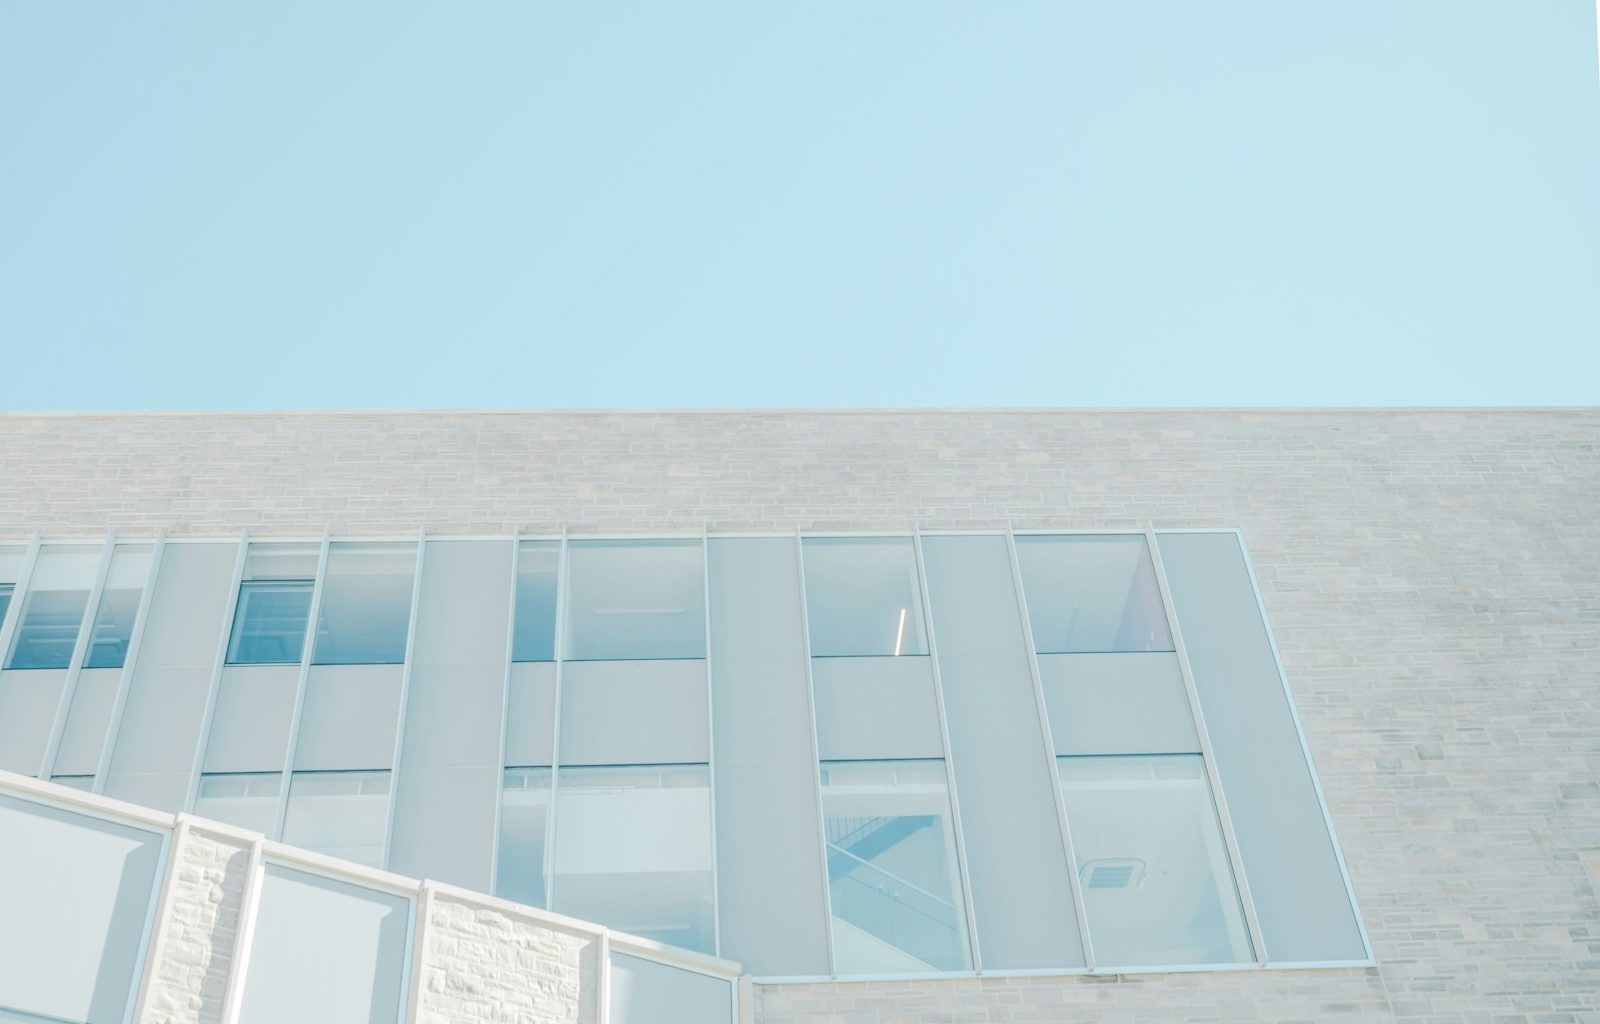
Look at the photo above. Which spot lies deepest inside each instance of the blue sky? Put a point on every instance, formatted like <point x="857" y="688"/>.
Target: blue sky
<point x="509" y="204"/>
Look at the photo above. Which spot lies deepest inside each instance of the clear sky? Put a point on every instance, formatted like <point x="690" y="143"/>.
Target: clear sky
<point x="305" y="204"/>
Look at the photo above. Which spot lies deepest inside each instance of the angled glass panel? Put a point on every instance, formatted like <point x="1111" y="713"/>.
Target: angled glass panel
<point x="633" y="851"/>
<point x="1157" y="884"/>
<point x="863" y="598"/>
<point x="119" y="605"/>
<point x="892" y="869"/>
<point x="634" y="600"/>
<point x="52" y="613"/>
<point x="646" y="992"/>
<point x="524" y="815"/>
<point x="1089" y="595"/>
<point x="534" y="631"/>
<point x="248" y="799"/>
<point x="341" y="814"/>
<point x="325" y="952"/>
<point x="366" y="604"/>
<point x="269" y="621"/>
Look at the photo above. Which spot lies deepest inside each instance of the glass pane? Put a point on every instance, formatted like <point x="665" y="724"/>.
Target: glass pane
<point x="524" y="809"/>
<point x="119" y="604"/>
<point x="535" y="630"/>
<point x="636" y="599"/>
<point x="892" y="868"/>
<point x="6" y="590"/>
<point x="633" y="851"/>
<point x="646" y="992"/>
<point x="862" y="597"/>
<point x="1157" y="885"/>
<point x="249" y="801"/>
<point x="325" y="952"/>
<point x="341" y="814"/>
<point x="52" y="613"/>
<point x="1092" y="594"/>
<point x="269" y="624"/>
<point x="83" y="782"/>
<point x="271" y="560"/>
<point x="366" y="604"/>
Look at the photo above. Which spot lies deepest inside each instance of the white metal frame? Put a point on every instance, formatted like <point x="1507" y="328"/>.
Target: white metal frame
<point x="19" y="594"/>
<point x="505" y="712"/>
<point x="80" y="648"/>
<point x="711" y="745"/>
<point x="563" y="574"/>
<point x="125" y="679"/>
<point x="307" y="651"/>
<point x="405" y="697"/>
<point x="218" y="666"/>
<point x="816" y="750"/>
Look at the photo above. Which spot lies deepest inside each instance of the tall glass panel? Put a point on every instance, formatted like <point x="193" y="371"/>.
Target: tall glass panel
<point x="1157" y="884"/>
<point x="269" y="621"/>
<point x="11" y="559"/>
<point x="119" y="606"/>
<point x="534" y="631"/>
<point x="636" y="600"/>
<point x="366" y="604"/>
<point x="633" y="851"/>
<point x="524" y="814"/>
<point x="52" y="613"/>
<point x="892" y="869"/>
<point x="341" y="814"/>
<point x="1089" y="595"/>
<point x="863" y="598"/>
<point x="248" y="799"/>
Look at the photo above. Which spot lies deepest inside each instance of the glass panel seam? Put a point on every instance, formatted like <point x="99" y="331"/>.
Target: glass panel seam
<point x="558" y="651"/>
<point x="949" y="762"/>
<point x="406" y="667"/>
<point x="1085" y="939"/>
<point x="711" y="744"/>
<point x="1207" y="756"/>
<point x="13" y="616"/>
<point x="505" y="718"/>
<point x="202" y="742"/>
<point x="69" y="685"/>
<point x="301" y="679"/>
<point x="417" y="944"/>
<point x="129" y="663"/>
<point x="816" y="755"/>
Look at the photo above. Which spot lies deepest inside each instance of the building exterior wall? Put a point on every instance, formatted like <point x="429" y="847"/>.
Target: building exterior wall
<point x="1432" y="579"/>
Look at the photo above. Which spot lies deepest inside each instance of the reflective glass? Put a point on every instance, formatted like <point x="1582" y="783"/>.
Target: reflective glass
<point x="1157" y="885"/>
<point x="341" y="814"/>
<point x="119" y="605"/>
<point x="247" y="800"/>
<point x="366" y="604"/>
<point x="52" y="613"/>
<point x="636" y="599"/>
<point x="269" y="620"/>
<point x="892" y="876"/>
<point x="862" y="597"/>
<point x="325" y="952"/>
<point x="11" y="558"/>
<point x="633" y="851"/>
<point x="1092" y="594"/>
<point x="524" y="807"/>
<point x="6" y="590"/>
<point x="534" y="637"/>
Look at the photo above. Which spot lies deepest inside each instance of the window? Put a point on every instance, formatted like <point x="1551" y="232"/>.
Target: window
<point x="248" y="800"/>
<point x="341" y="814"/>
<point x="863" y="598"/>
<point x="269" y="623"/>
<point x="325" y="952"/>
<point x="647" y="992"/>
<point x="636" y="600"/>
<point x="534" y="637"/>
<point x="1157" y="886"/>
<point x="633" y="850"/>
<point x="1090" y="595"/>
<point x="524" y="812"/>
<point x="892" y="876"/>
<point x="52" y="613"/>
<point x="119" y="606"/>
<point x="365" y="612"/>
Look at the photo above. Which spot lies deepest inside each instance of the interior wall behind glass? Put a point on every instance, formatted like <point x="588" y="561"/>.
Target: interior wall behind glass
<point x="635" y="600"/>
<point x="52" y="611"/>
<point x="1284" y="840"/>
<point x="863" y="598"/>
<point x="1090" y="594"/>
<point x="119" y="606"/>
<point x="274" y="605"/>
<point x="365" y="612"/>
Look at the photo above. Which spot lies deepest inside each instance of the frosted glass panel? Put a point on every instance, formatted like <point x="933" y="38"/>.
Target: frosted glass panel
<point x="366" y="604"/>
<point x="1157" y="885"/>
<point x="636" y="599"/>
<point x="892" y="876"/>
<point x="1088" y="594"/>
<point x="52" y="613"/>
<point x="645" y="992"/>
<point x="535" y="636"/>
<point x="863" y="598"/>
<point x="119" y="605"/>
<point x="633" y="851"/>
<point x="524" y="812"/>
<point x="77" y="966"/>
<point x="325" y="952"/>
<point x="341" y="814"/>
<point x="247" y="800"/>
